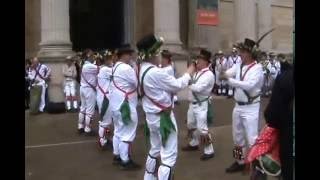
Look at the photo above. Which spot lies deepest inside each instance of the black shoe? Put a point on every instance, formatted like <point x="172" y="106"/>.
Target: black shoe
<point x="235" y="167"/>
<point x="74" y="110"/>
<point x="130" y="165"/>
<point x="91" y="133"/>
<point x="116" y="160"/>
<point x="81" y="130"/>
<point x="205" y="157"/>
<point x="190" y="148"/>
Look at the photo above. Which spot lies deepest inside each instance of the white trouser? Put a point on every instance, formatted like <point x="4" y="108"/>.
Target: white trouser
<point x="168" y="154"/>
<point x="105" y="121"/>
<point x="197" y="121"/>
<point x="70" y="93"/>
<point x="88" y="103"/>
<point x="175" y="98"/>
<point x="43" y="95"/>
<point x="124" y="135"/>
<point x="230" y="91"/>
<point x="245" y="124"/>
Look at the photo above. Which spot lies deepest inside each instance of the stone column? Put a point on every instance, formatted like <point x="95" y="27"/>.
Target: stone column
<point x="245" y="22"/>
<point x="55" y="43"/>
<point x="167" y="24"/>
<point x="265" y="23"/>
<point x="129" y="9"/>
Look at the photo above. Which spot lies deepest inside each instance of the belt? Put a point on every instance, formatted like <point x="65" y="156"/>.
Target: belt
<point x="195" y="102"/>
<point x="246" y="103"/>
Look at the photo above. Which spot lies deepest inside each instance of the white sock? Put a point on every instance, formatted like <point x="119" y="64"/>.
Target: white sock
<point x="150" y="167"/>
<point x="124" y="151"/>
<point x="101" y="132"/>
<point x="87" y="128"/>
<point x="195" y="138"/>
<point x="68" y="105"/>
<point x="163" y="172"/>
<point x="81" y="120"/>
<point x="116" y="142"/>
<point x="75" y="104"/>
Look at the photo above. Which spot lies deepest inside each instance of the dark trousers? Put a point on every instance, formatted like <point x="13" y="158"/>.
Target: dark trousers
<point x="26" y="95"/>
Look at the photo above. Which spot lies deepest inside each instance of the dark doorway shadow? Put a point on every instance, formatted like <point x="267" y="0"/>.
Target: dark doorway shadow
<point x="96" y="24"/>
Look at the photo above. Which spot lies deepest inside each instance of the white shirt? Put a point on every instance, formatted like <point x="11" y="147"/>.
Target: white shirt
<point x="126" y="79"/>
<point x="43" y="70"/>
<point x="69" y="72"/>
<point x="252" y="82"/>
<point x="274" y="68"/>
<point x="234" y="60"/>
<point x="89" y="72"/>
<point x="104" y="78"/>
<point x="160" y="86"/>
<point x="169" y="69"/>
<point x="221" y="65"/>
<point x="203" y="86"/>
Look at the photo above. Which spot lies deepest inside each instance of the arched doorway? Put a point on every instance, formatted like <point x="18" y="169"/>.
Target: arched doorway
<point x="96" y="24"/>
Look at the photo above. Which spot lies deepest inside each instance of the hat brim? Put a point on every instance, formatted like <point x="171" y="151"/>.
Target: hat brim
<point x="242" y="46"/>
<point x="203" y="57"/>
<point x="125" y="51"/>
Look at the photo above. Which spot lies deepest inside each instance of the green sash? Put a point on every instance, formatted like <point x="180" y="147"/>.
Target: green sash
<point x="125" y="107"/>
<point x="104" y="106"/>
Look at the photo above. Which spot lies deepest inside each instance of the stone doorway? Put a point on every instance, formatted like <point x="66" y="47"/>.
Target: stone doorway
<point x="96" y="24"/>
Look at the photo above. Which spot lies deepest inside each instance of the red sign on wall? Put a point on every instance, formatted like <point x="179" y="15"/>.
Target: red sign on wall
<point x="207" y="12"/>
<point x="207" y="17"/>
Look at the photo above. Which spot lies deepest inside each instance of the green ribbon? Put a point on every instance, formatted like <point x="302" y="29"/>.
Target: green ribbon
<point x="125" y="112"/>
<point x="146" y="133"/>
<point x="104" y="107"/>
<point x="166" y="126"/>
<point x="210" y="113"/>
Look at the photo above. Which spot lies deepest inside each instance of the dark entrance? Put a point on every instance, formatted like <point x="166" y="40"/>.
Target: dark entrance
<point x="96" y="24"/>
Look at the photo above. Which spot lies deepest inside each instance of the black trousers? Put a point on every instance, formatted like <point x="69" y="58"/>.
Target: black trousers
<point x="26" y="95"/>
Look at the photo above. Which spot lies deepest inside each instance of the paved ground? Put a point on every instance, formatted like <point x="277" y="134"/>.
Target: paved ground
<point x="79" y="158"/>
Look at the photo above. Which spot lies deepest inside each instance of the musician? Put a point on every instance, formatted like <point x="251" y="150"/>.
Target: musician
<point x="27" y="84"/>
<point x="233" y="60"/>
<point x="247" y="78"/>
<point x="274" y="68"/>
<point x="221" y="65"/>
<point x="69" y="71"/>
<point x="39" y="75"/>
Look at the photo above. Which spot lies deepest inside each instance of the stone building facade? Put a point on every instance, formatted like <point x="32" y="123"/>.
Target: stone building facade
<point x="48" y="34"/>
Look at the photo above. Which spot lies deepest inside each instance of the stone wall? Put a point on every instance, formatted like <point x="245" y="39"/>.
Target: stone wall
<point x="282" y="19"/>
<point x="144" y="19"/>
<point x="32" y="27"/>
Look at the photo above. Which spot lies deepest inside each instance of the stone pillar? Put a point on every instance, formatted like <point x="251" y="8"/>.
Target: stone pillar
<point x="245" y="22"/>
<point x="129" y="8"/>
<point x="265" y="23"/>
<point x="166" y="23"/>
<point x="55" y="43"/>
